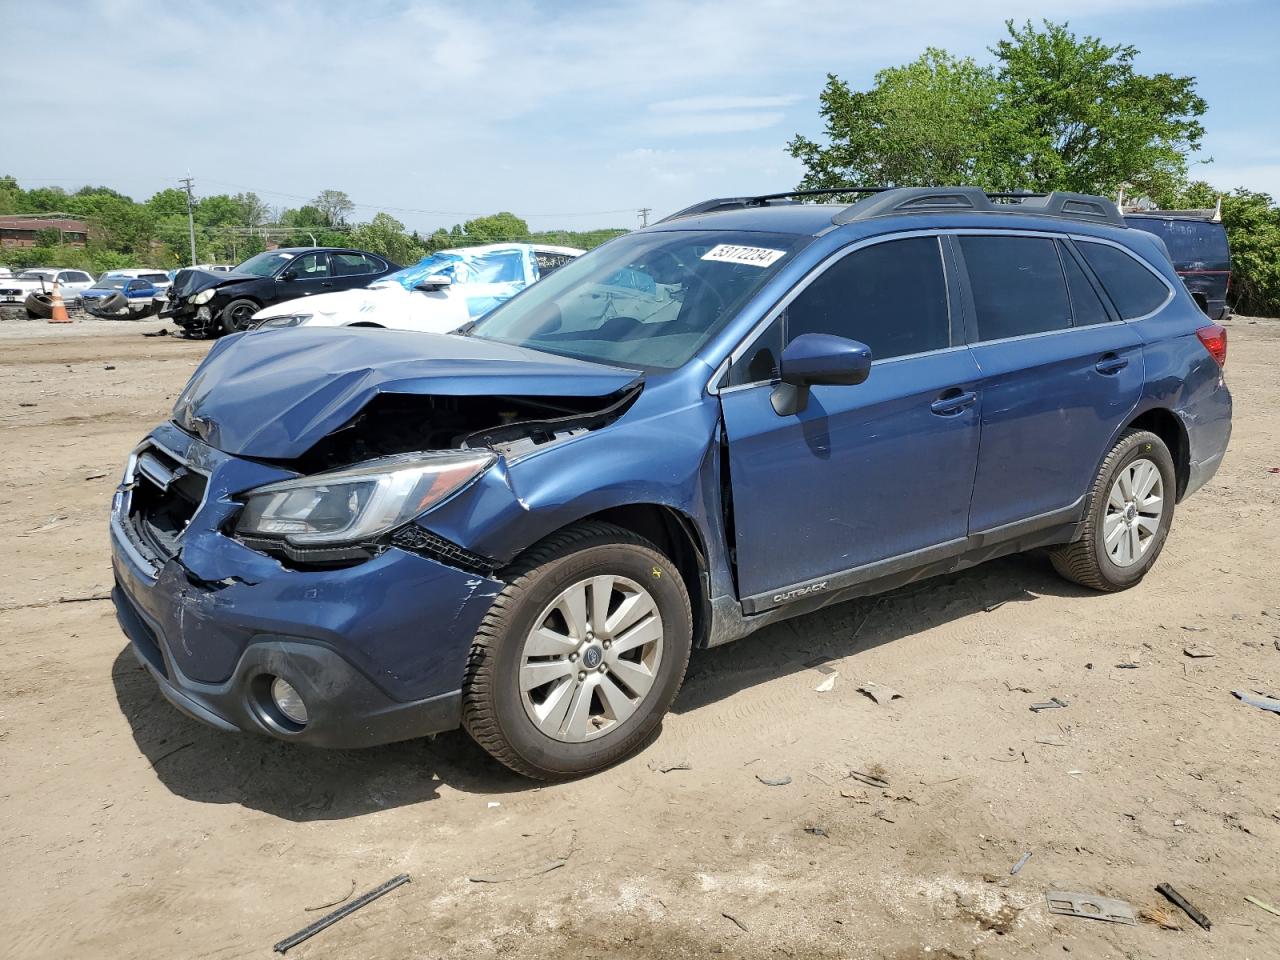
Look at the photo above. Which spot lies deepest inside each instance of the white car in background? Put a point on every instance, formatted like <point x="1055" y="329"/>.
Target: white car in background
<point x="15" y="290"/>
<point x="436" y="295"/>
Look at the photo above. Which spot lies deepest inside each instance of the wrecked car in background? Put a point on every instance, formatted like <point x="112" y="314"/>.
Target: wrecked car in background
<point x="436" y="295"/>
<point x="741" y="414"/>
<point x="121" y="296"/>
<point x="206" y="303"/>
<point x="1197" y="245"/>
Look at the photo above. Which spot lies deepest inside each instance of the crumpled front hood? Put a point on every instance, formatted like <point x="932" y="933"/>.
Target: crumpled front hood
<point x="274" y="393"/>
<point x="190" y="281"/>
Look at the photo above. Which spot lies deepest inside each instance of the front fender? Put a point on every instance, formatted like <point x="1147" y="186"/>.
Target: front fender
<point x="667" y="459"/>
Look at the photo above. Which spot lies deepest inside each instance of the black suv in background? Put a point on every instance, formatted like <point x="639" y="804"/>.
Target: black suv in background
<point x="1197" y="246"/>
<point x="208" y="304"/>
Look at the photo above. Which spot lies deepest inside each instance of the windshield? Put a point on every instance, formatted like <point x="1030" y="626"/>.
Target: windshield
<point x="37" y="275"/>
<point x="1193" y="244"/>
<point x="503" y="265"/>
<point x="112" y="283"/>
<point x="647" y="300"/>
<point x="265" y="264"/>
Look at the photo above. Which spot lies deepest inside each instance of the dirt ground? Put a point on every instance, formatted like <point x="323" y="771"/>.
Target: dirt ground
<point x="128" y="830"/>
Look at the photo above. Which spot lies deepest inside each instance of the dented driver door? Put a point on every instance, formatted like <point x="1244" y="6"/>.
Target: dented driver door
<point x="866" y="479"/>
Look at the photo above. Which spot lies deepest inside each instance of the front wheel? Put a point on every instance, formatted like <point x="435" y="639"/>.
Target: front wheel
<point x="236" y="315"/>
<point x="580" y="655"/>
<point x="1129" y="512"/>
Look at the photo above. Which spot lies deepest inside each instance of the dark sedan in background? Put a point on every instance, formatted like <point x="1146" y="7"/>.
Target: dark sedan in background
<point x="205" y="303"/>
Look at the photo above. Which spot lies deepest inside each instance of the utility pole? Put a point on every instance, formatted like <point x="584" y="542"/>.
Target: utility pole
<point x="643" y="214"/>
<point x="191" y="216"/>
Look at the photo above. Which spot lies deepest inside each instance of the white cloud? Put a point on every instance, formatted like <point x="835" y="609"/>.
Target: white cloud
<point x="714" y="103"/>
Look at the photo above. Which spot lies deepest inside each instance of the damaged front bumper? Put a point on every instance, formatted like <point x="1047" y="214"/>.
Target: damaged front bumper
<point x="377" y="650"/>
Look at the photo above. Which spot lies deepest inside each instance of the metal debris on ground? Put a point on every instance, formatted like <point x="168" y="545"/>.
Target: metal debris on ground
<point x="1181" y="902"/>
<point x="1265" y="906"/>
<point x="1022" y="862"/>
<point x="1052" y="704"/>
<point x="1262" y="701"/>
<point x="816" y="830"/>
<point x="879" y="693"/>
<point x="157" y="333"/>
<point x="870" y="779"/>
<point x="95" y="476"/>
<point x="773" y="781"/>
<point x="1197" y="652"/>
<point x="333" y="903"/>
<point x="329" y="919"/>
<point x="734" y="920"/>
<point x="1126" y="666"/>
<point x="666" y="766"/>
<point x="1195" y="629"/>
<point x="1090" y="907"/>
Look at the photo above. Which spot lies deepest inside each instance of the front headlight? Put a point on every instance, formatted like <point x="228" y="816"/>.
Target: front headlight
<point x="290" y="320"/>
<point x="359" y="502"/>
<point x="204" y="296"/>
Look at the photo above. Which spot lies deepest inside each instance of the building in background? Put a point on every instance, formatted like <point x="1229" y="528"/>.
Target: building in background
<point x="20" y="230"/>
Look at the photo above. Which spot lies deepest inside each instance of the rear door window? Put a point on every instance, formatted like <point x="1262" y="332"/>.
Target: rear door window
<point x="892" y="296"/>
<point x="351" y="264"/>
<point x="1018" y="286"/>
<point x="1133" y="288"/>
<point x="1087" y="308"/>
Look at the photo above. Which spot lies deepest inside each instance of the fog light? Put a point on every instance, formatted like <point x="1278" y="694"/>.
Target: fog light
<point x="288" y="701"/>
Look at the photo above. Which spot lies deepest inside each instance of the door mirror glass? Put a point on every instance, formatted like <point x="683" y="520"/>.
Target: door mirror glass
<point x="288" y="274"/>
<point x="814" y="359"/>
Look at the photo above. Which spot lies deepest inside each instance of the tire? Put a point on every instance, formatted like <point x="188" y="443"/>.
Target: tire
<point x="587" y="734"/>
<point x="39" y="306"/>
<point x="1122" y="538"/>
<point x="235" y="316"/>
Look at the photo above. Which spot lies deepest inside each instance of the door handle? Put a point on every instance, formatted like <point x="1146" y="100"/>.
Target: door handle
<point x="952" y="402"/>
<point x="1110" y="364"/>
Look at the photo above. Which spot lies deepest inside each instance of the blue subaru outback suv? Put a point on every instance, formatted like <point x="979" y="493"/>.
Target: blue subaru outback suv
<point x="750" y="410"/>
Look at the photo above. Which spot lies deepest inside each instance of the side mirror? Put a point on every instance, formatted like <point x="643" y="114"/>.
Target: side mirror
<point x="436" y="281"/>
<point x="814" y="359"/>
<point x="289" y="274"/>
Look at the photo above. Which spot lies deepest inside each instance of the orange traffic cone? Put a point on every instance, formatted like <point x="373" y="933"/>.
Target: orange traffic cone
<point x="59" y="314"/>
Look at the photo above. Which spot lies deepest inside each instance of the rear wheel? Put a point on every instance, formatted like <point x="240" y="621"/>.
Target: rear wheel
<point x="1130" y="510"/>
<point x="581" y="654"/>
<point x="236" y="315"/>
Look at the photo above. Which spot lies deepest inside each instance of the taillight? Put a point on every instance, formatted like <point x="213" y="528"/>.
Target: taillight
<point x="1214" y="338"/>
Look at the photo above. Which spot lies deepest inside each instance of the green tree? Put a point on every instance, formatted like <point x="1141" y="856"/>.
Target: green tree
<point x="495" y="227"/>
<point x="1054" y="112"/>
<point x="169" y="202"/>
<point x="936" y="120"/>
<point x="385" y="235"/>
<point x="1087" y="120"/>
<point x="335" y="205"/>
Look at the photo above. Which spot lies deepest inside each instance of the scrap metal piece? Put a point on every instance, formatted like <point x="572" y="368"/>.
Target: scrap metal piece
<point x="870" y="779"/>
<point x="1262" y="702"/>
<point x="329" y="919"/>
<point x="1053" y="704"/>
<point x="1022" y="862"/>
<point x="1090" y="907"/>
<point x="1179" y="901"/>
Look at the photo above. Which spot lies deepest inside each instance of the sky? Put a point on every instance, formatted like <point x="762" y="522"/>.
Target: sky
<point x="570" y="114"/>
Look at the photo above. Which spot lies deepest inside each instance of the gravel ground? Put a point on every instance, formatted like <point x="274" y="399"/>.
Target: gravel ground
<point x="129" y="830"/>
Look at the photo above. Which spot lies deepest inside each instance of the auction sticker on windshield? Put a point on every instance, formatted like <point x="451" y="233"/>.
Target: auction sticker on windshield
<point x="751" y="256"/>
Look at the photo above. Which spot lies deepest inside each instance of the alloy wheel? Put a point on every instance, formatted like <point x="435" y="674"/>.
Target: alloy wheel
<point x="1135" y="507"/>
<point x="591" y="658"/>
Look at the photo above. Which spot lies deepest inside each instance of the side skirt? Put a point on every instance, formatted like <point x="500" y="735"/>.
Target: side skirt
<point x="732" y="621"/>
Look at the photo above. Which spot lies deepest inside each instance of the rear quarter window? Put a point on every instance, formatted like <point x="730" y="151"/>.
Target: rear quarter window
<point x="1133" y="288"/>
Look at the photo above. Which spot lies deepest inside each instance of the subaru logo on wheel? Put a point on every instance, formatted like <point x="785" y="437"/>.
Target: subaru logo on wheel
<point x="591" y="657"/>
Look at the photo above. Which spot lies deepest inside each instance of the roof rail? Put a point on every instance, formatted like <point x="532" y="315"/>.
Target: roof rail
<point x="1061" y="204"/>
<point x="763" y="200"/>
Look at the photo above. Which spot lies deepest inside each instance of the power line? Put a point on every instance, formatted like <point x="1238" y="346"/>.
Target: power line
<point x="643" y="214"/>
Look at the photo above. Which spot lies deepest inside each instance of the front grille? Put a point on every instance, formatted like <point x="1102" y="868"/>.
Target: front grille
<point x="166" y="495"/>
